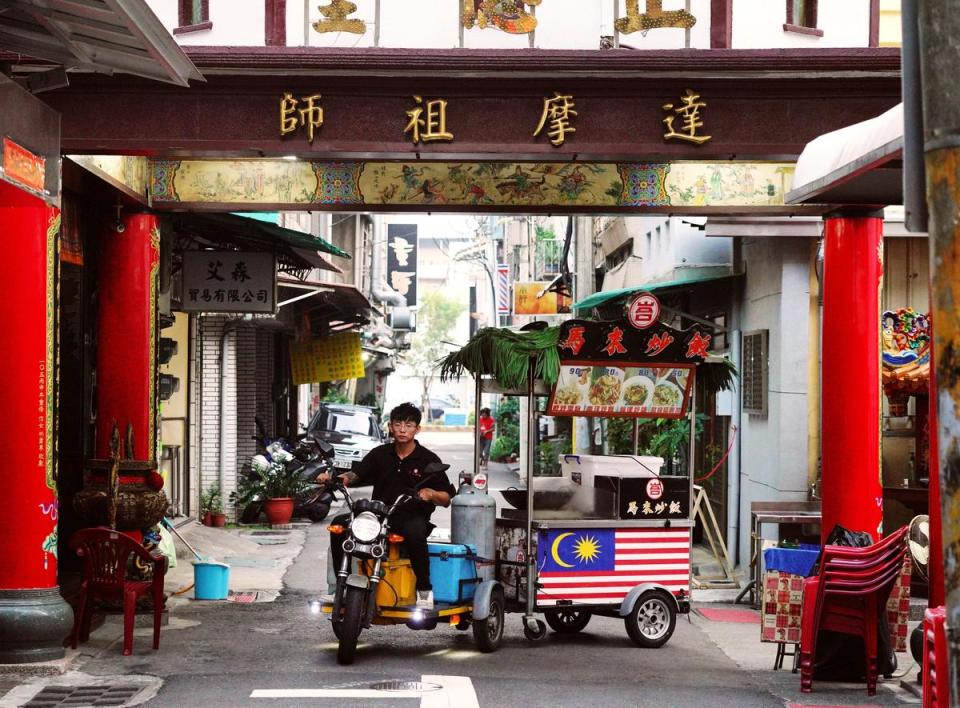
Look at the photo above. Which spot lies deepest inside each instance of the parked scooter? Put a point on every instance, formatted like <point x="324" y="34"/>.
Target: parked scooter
<point x="308" y="458"/>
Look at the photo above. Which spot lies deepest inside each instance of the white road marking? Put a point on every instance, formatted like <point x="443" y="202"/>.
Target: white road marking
<point x="333" y="693"/>
<point x="457" y="692"/>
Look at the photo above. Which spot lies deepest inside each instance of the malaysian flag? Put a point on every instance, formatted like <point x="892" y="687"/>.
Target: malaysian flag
<point x="600" y="566"/>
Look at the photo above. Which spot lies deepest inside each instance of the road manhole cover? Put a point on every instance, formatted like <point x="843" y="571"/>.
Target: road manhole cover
<point x="52" y="696"/>
<point x="398" y="685"/>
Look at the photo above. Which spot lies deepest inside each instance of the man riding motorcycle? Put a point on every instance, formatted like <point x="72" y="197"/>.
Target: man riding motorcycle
<point x="394" y="469"/>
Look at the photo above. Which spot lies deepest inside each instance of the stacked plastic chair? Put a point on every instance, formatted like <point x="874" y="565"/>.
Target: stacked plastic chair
<point x="848" y="596"/>
<point x="936" y="681"/>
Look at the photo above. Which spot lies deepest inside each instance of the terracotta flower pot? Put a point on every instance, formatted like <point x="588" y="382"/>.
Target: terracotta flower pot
<point x="279" y="510"/>
<point x="218" y="520"/>
<point x="207" y="519"/>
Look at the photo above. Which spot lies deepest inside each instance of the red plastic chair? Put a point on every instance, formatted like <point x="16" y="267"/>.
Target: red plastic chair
<point x="936" y="680"/>
<point x="848" y="596"/>
<point x="105" y="555"/>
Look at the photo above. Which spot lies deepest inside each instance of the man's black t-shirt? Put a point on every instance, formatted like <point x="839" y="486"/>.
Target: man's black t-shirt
<point x="392" y="476"/>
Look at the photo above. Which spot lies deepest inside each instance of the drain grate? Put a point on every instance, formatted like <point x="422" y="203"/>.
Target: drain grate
<point x="107" y="695"/>
<point x="399" y="685"/>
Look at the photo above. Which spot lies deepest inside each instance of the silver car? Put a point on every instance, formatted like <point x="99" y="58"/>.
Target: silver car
<point x="352" y="430"/>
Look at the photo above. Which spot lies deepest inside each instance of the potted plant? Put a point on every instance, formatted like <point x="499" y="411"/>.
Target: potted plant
<point x="278" y="485"/>
<point x="211" y="507"/>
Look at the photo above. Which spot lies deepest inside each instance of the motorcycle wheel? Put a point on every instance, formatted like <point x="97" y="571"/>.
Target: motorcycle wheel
<point x="350" y="625"/>
<point x="488" y="632"/>
<point x="251" y="513"/>
<point x="317" y="512"/>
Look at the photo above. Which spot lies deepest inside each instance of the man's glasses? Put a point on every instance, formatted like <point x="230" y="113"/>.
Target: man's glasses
<point x="403" y="425"/>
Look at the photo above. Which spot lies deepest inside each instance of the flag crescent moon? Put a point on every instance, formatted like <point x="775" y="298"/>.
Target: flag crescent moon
<point x="556" y="554"/>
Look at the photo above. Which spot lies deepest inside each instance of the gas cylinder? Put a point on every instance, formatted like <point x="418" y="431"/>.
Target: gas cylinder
<point x="473" y="518"/>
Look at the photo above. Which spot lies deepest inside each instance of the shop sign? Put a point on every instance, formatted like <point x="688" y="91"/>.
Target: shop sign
<point x="229" y="281"/>
<point x="530" y="299"/>
<point x="601" y="342"/>
<point x="334" y="358"/>
<point x="658" y="498"/>
<point x="23" y="167"/>
<point x="643" y="310"/>
<point x="621" y="390"/>
<point x="402" y="260"/>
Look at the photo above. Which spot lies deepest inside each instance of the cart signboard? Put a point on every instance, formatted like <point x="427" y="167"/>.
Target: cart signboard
<point x="611" y="370"/>
<point x="649" y="498"/>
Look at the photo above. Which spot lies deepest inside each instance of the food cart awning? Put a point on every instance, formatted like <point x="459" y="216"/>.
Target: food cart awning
<point x="609" y="295"/>
<point x="104" y="36"/>
<point x="296" y="250"/>
<point x="859" y="165"/>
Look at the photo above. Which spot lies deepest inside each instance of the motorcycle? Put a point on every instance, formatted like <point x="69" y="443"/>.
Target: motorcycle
<point x="376" y="586"/>
<point x="307" y="459"/>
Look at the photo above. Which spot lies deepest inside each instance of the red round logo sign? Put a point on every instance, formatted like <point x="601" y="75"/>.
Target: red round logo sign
<point x="654" y="489"/>
<point x="643" y="310"/>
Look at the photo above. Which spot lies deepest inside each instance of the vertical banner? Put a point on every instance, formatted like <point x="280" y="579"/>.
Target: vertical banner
<point x="503" y="289"/>
<point x="402" y="260"/>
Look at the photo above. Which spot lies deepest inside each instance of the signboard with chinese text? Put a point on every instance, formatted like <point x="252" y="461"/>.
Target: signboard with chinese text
<point x="402" y="260"/>
<point x="333" y="358"/>
<point x="649" y="498"/>
<point x="527" y="302"/>
<point x="229" y="281"/>
<point x="643" y="310"/>
<point x="23" y="167"/>
<point x="611" y="369"/>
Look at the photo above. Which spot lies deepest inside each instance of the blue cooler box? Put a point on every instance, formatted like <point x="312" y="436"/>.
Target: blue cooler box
<point x="449" y="565"/>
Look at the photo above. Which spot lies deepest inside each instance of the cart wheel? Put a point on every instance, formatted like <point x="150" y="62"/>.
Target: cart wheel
<point x="488" y="632"/>
<point x="535" y="633"/>
<point x="652" y="621"/>
<point x="567" y="621"/>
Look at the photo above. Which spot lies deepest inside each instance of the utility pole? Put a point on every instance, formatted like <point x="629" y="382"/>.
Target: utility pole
<point x="939" y="29"/>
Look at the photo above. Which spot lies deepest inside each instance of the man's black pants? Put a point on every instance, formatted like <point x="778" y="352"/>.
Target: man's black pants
<point x="414" y="530"/>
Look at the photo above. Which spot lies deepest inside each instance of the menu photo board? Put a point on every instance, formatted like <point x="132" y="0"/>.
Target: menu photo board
<point x="621" y="389"/>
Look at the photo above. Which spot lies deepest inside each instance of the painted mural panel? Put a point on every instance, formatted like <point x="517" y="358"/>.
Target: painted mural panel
<point x="471" y="184"/>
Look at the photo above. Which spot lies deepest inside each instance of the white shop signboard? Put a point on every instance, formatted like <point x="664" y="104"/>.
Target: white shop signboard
<point x="229" y="281"/>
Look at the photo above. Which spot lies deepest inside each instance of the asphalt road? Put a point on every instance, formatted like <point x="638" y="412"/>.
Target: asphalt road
<point x="222" y="654"/>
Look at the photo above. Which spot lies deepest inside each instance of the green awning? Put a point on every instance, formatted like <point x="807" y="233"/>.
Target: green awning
<point x="609" y="295"/>
<point x="257" y="230"/>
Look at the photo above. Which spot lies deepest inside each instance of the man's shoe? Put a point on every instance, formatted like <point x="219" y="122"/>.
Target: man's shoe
<point x="425" y="599"/>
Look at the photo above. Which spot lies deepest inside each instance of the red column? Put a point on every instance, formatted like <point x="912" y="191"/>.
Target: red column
<point x="34" y="619"/>
<point x="126" y="335"/>
<point x="852" y="492"/>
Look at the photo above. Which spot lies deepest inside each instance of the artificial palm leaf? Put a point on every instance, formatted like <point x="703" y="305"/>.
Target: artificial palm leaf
<point x="505" y="354"/>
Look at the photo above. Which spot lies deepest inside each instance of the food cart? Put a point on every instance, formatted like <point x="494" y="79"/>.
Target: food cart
<point x="612" y="535"/>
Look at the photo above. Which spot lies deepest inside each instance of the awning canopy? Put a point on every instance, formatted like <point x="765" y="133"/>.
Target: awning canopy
<point x="326" y="308"/>
<point x="859" y="165"/>
<point x="296" y="250"/>
<point x="104" y="36"/>
<point x="609" y="295"/>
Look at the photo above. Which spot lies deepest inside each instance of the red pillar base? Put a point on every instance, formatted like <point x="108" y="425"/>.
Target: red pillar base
<point x="851" y="487"/>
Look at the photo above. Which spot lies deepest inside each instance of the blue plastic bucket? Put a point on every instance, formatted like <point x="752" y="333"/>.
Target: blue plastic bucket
<point x="211" y="580"/>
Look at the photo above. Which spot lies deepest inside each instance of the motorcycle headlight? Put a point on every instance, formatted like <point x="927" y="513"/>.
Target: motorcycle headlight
<point x="365" y="527"/>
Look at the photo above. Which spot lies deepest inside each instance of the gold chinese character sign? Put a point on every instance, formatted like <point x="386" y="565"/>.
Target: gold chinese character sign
<point x="557" y="111"/>
<point x="292" y="118"/>
<point x="507" y="15"/>
<point x="689" y="113"/>
<point x="655" y="17"/>
<point x="337" y="21"/>
<point x="428" y="121"/>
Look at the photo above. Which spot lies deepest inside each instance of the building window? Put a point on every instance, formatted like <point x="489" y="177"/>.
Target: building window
<point x="754" y="374"/>
<point x="802" y="17"/>
<point x="194" y="16"/>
